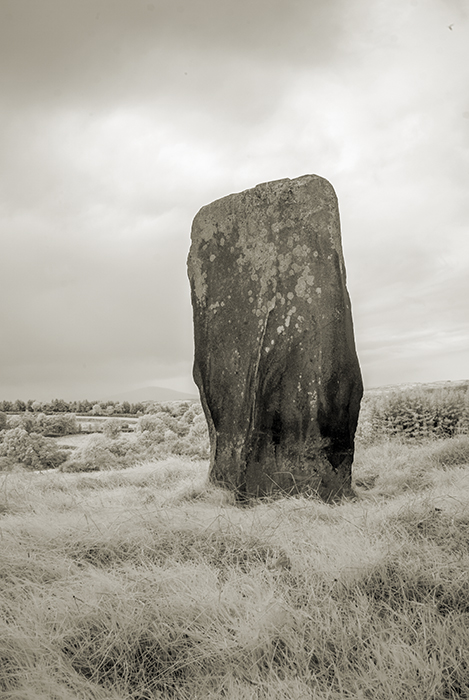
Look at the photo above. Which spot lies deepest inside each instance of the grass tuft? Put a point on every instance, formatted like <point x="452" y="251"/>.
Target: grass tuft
<point x="150" y="583"/>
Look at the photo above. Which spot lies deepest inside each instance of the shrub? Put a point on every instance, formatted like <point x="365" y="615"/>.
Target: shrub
<point x="124" y="450"/>
<point x="176" y="425"/>
<point x="180" y="408"/>
<point x="32" y="450"/>
<point x="151" y="429"/>
<point x="194" y="444"/>
<point x="54" y="425"/>
<point x="74" y="465"/>
<point x="112" y="428"/>
<point x="448" y="409"/>
<point x="93" y="455"/>
<point x="198" y="449"/>
<point x="199" y="428"/>
<point x="63" y="424"/>
<point x="99" y="452"/>
<point x="15" y="422"/>
<point x="158" y="435"/>
<point x="463" y="426"/>
<point x="414" y="414"/>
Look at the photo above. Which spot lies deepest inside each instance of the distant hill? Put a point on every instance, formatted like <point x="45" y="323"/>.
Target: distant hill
<point x="430" y="386"/>
<point x="151" y="393"/>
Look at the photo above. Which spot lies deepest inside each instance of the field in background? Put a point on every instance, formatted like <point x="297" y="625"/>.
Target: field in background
<point x="91" y="424"/>
<point x="30" y="439"/>
<point x="64" y="441"/>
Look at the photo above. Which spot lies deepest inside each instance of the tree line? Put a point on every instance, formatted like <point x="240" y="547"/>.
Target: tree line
<point x="84" y="407"/>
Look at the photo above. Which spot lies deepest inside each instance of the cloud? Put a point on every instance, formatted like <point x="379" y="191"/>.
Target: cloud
<point x="121" y="119"/>
<point x="102" y="48"/>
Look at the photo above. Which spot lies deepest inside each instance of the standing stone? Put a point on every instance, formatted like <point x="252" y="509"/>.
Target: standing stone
<point x="275" y="359"/>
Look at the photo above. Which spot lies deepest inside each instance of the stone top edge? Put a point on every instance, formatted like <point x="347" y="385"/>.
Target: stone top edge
<point x="269" y="183"/>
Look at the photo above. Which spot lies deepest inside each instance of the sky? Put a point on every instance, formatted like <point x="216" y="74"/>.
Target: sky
<point x="120" y="119"/>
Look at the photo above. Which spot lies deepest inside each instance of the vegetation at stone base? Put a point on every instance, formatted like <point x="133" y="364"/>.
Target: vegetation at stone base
<point x="149" y="583"/>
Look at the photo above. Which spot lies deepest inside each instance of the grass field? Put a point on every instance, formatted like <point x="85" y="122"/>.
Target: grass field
<point x="148" y="583"/>
<point x="81" y="438"/>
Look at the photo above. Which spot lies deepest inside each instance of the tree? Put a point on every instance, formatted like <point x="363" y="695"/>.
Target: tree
<point x="60" y="406"/>
<point x="112" y="428"/>
<point x="64" y="424"/>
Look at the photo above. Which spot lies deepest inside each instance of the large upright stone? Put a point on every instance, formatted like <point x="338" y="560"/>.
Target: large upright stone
<point x="275" y="359"/>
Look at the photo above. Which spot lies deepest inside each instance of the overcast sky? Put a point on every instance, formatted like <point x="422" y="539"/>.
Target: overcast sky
<point x="121" y="118"/>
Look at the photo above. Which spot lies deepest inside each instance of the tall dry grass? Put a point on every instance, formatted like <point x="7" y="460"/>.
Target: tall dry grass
<point x="148" y="583"/>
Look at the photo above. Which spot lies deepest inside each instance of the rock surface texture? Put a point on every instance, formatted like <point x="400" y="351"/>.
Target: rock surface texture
<point x="275" y="359"/>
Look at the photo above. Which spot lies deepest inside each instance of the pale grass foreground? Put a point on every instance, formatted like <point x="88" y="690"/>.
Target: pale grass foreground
<point x="149" y="583"/>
